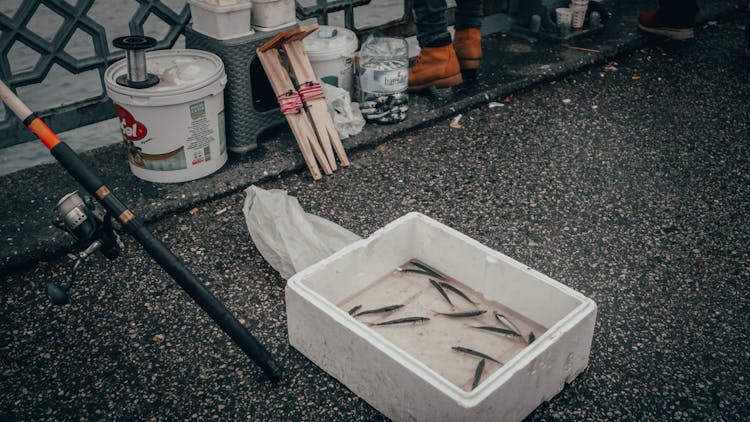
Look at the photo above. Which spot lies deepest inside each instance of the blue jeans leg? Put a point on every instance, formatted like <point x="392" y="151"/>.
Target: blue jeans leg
<point x="432" y="23"/>
<point x="469" y="14"/>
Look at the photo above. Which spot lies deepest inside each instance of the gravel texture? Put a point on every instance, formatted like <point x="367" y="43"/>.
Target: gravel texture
<point x="512" y="63"/>
<point x="635" y="192"/>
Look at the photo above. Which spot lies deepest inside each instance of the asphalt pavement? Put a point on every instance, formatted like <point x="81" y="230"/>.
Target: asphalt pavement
<point x="628" y="181"/>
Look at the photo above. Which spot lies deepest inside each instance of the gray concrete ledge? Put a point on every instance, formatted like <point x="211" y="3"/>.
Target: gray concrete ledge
<point x="511" y="64"/>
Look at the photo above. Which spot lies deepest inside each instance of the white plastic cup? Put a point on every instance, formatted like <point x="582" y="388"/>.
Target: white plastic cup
<point x="564" y="17"/>
<point x="578" y="7"/>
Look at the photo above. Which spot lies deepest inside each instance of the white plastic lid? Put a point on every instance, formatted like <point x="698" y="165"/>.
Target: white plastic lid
<point x="330" y="42"/>
<point x="221" y="7"/>
<point x="178" y="71"/>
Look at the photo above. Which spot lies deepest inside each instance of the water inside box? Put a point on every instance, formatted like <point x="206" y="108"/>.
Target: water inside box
<point x="432" y="342"/>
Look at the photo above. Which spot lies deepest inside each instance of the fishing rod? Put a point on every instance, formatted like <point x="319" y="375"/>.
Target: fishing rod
<point x="133" y="225"/>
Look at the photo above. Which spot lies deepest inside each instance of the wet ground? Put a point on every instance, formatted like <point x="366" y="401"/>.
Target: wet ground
<point x="512" y="63"/>
<point x="628" y="182"/>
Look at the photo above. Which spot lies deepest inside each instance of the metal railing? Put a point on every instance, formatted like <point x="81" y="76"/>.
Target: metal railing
<point x="52" y="50"/>
<point x="404" y="26"/>
<point x="15" y="29"/>
<point x="322" y="8"/>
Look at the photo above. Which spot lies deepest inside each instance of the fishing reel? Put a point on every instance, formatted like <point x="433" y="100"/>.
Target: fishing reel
<point x="91" y="225"/>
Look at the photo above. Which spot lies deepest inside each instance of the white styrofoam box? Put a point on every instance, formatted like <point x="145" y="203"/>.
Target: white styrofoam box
<point x="271" y="15"/>
<point x="393" y="381"/>
<point x="222" y="22"/>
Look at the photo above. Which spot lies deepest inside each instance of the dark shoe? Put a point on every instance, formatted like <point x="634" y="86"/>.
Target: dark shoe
<point x="657" y="23"/>
<point x="435" y="66"/>
<point x="468" y="46"/>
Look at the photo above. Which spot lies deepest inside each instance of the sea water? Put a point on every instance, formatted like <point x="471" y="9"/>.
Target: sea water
<point x="432" y="342"/>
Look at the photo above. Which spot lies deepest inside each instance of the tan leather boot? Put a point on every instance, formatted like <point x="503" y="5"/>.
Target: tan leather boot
<point x="468" y="46"/>
<point x="435" y="66"/>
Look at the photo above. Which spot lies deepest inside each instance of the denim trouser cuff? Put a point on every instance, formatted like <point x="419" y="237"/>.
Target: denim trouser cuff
<point x="433" y="25"/>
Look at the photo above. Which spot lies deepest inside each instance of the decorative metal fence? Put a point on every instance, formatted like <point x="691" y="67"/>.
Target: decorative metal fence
<point x="52" y="49"/>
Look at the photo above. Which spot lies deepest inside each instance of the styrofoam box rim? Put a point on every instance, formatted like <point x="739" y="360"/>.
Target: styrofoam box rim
<point x="464" y="398"/>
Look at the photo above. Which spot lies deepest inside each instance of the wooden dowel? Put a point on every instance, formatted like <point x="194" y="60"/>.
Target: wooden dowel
<point x="292" y="54"/>
<point x="283" y="84"/>
<point x="318" y="109"/>
<point x="303" y="133"/>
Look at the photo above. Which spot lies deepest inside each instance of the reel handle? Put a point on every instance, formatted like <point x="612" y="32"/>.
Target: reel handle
<point x="57" y="295"/>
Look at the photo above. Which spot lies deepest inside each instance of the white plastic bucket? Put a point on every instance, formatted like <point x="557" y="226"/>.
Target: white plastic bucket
<point x="331" y="53"/>
<point x="222" y="22"/>
<point x="173" y="131"/>
<point x="270" y="15"/>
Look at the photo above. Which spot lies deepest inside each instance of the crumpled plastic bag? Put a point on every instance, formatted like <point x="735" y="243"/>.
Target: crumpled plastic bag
<point x="289" y="238"/>
<point x="347" y="118"/>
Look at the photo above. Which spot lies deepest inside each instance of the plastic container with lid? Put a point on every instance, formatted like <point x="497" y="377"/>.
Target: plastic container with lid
<point x="272" y="15"/>
<point x="222" y="22"/>
<point x="224" y="2"/>
<point x="331" y="52"/>
<point x="173" y="131"/>
<point x="383" y="76"/>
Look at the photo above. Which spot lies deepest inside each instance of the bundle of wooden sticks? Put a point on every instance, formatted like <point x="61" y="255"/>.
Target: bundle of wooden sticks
<point x="303" y="103"/>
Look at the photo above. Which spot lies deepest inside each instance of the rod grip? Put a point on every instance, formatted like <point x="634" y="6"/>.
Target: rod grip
<point x="167" y="260"/>
<point x="13" y="102"/>
<point x="77" y="168"/>
<point x="158" y="251"/>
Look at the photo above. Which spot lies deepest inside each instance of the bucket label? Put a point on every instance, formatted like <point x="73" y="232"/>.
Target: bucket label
<point x="197" y="110"/>
<point x="330" y="80"/>
<point x="134" y="135"/>
<point x="395" y="80"/>
<point x="198" y="147"/>
<point x="132" y="129"/>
